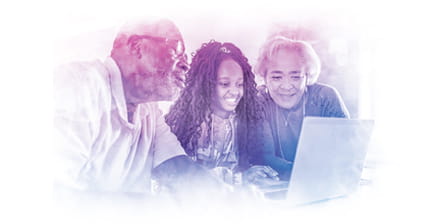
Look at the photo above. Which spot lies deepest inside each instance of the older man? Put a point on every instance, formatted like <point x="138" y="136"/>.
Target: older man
<point x="290" y="70"/>
<point x="109" y="134"/>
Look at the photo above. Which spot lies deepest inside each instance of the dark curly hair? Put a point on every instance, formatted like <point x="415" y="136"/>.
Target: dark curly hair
<point x="193" y="107"/>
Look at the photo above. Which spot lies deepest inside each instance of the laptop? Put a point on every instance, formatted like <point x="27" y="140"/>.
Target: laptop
<point x="329" y="159"/>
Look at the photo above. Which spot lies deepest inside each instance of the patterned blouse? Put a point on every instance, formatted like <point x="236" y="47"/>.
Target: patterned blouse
<point x="220" y="153"/>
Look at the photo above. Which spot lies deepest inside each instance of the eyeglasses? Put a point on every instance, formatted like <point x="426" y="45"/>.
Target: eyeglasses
<point x="175" y="45"/>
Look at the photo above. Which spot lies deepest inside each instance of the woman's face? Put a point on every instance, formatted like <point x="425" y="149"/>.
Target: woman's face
<point x="229" y="88"/>
<point x="286" y="78"/>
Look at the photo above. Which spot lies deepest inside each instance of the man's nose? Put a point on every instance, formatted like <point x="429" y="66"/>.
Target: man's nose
<point x="183" y="64"/>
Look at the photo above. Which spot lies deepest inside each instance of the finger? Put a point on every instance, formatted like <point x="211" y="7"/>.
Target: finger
<point x="271" y="174"/>
<point x="268" y="171"/>
<point x="275" y="177"/>
<point x="261" y="173"/>
<point x="271" y="171"/>
<point x="255" y="167"/>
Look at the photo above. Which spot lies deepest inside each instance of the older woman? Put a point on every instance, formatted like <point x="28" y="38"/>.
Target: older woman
<point x="290" y="69"/>
<point x="216" y="115"/>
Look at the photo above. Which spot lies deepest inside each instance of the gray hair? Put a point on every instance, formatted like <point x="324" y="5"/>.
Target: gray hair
<point x="305" y="51"/>
<point x="151" y="27"/>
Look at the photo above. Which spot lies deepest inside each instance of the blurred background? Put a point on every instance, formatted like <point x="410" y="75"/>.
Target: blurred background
<point x="337" y="36"/>
<point x="377" y="54"/>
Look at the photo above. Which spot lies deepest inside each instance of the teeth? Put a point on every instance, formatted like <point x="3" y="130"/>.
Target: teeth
<point x="232" y="100"/>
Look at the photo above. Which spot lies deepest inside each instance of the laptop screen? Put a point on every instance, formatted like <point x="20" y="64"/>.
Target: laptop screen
<point x="329" y="159"/>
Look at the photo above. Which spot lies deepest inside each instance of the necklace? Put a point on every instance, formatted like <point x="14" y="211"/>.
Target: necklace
<point x="286" y="118"/>
<point x="286" y="121"/>
<point x="293" y="110"/>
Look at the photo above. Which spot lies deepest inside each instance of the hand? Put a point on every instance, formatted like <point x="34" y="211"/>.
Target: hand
<point x="258" y="174"/>
<point x="224" y="174"/>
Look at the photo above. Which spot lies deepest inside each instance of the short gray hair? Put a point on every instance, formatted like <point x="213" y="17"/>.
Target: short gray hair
<point x="304" y="50"/>
<point x="153" y="27"/>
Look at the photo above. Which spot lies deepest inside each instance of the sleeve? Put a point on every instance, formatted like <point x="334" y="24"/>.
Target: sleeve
<point x="335" y="106"/>
<point x="268" y="154"/>
<point x="165" y="143"/>
<point x="72" y="126"/>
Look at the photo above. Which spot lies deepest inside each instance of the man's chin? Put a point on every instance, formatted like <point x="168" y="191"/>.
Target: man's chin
<point x="168" y="98"/>
<point x="175" y="94"/>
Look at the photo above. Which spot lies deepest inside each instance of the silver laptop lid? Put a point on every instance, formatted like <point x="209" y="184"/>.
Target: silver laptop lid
<point x="329" y="159"/>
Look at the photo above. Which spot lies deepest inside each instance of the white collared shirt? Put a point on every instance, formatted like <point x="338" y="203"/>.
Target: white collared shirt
<point x="96" y="147"/>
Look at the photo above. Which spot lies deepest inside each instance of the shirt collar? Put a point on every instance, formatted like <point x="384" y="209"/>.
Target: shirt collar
<point x="117" y="87"/>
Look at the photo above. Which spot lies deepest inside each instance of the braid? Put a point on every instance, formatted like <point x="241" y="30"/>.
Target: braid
<point x="193" y="107"/>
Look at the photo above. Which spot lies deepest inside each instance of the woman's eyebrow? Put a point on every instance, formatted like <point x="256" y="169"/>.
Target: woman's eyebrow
<point x="295" y="72"/>
<point x="276" y="72"/>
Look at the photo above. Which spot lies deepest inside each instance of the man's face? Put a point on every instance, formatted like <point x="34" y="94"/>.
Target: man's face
<point x="160" y="69"/>
<point x="285" y="78"/>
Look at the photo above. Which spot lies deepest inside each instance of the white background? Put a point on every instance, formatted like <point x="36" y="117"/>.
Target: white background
<point x="402" y="64"/>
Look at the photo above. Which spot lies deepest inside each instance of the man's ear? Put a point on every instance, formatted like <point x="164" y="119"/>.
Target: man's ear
<point x="134" y="47"/>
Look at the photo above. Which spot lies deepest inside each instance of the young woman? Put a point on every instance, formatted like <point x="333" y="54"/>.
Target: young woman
<point x="217" y="112"/>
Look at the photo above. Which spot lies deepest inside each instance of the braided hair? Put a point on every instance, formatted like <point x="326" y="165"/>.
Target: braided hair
<point x="193" y="107"/>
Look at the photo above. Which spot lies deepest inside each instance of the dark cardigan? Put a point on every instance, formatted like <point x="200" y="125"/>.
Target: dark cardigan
<point x="319" y="100"/>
